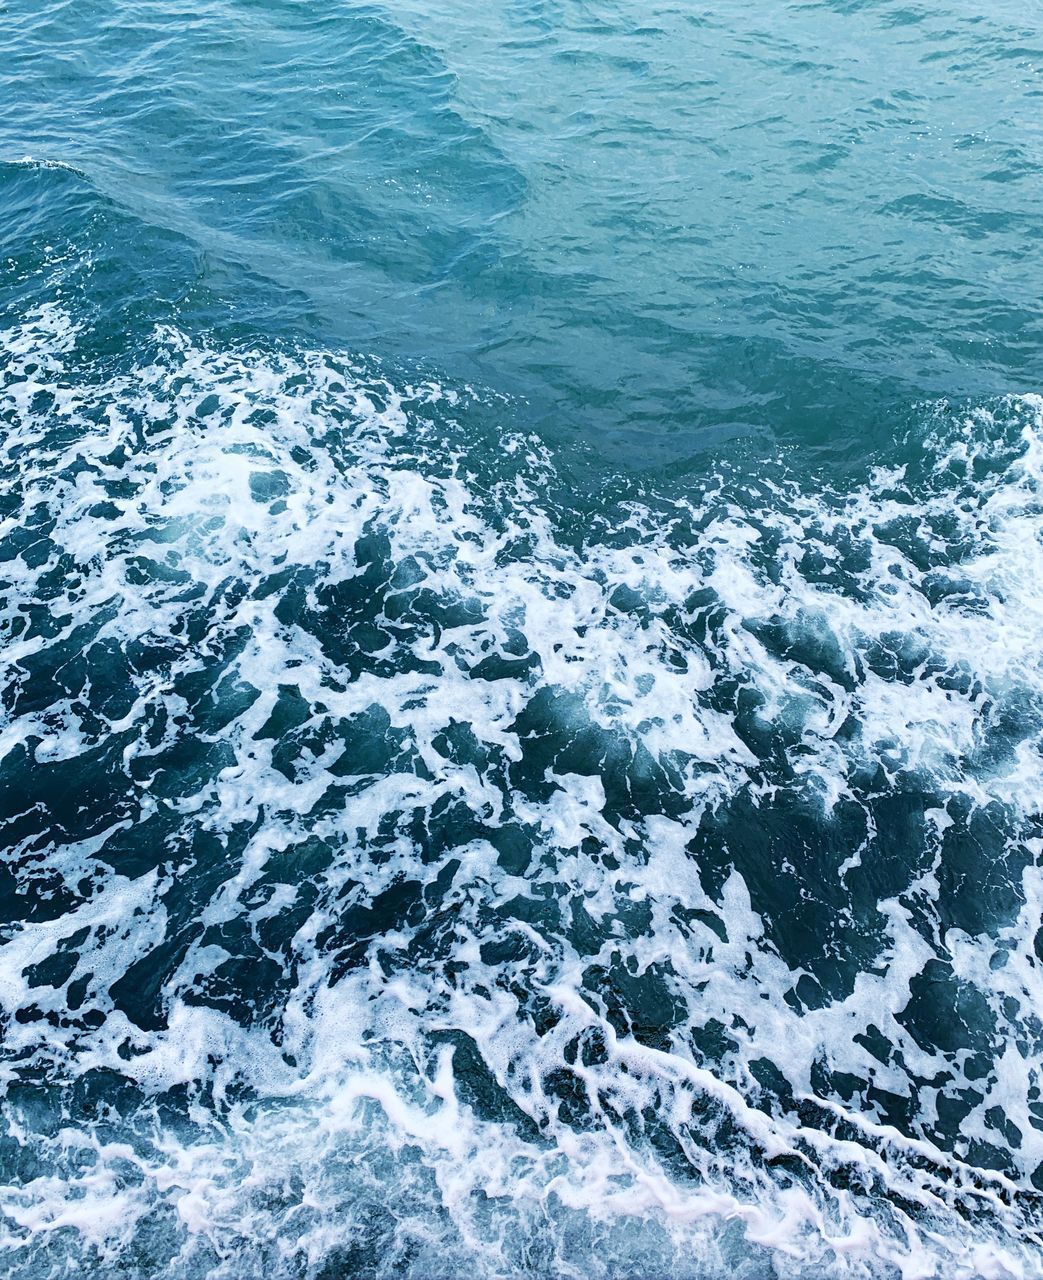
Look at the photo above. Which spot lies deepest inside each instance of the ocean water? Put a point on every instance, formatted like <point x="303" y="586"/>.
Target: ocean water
<point x="521" y="596"/>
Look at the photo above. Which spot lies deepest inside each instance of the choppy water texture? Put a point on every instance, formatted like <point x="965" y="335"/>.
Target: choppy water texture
<point x="520" y="585"/>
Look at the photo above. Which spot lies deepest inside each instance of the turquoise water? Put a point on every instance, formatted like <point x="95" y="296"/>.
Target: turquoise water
<point x="520" y="580"/>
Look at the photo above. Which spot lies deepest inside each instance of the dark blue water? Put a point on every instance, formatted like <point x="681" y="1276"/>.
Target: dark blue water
<point x="522" y="705"/>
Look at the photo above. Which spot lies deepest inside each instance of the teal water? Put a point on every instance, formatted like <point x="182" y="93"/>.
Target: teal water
<point x="522" y="710"/>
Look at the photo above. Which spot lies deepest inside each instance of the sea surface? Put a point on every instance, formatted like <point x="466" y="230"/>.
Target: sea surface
<point x="521" y="630"/>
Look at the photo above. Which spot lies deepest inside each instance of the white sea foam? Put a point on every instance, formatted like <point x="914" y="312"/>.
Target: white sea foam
<point x="555" y="1063"/>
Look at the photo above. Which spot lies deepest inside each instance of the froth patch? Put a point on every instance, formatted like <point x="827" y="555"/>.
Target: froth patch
<point x="383" y="829"/>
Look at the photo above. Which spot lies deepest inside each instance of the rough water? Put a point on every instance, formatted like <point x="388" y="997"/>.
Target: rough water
<point x="520" y="586"/>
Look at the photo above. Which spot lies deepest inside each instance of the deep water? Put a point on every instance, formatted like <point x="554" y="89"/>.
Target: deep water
<point x="521" y="597"/>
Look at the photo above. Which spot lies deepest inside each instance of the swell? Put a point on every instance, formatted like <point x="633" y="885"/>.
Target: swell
<point x="410" y="867"/>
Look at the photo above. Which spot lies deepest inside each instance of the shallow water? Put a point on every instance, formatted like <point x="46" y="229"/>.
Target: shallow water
<point x="520" y="584"/>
